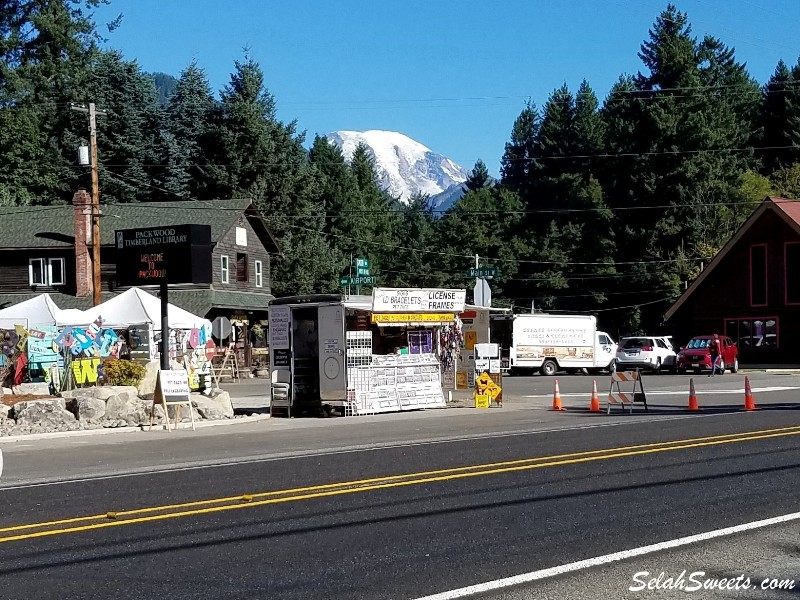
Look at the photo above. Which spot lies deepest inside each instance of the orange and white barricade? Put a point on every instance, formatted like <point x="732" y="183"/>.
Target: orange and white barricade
<point x="626" y="388"/>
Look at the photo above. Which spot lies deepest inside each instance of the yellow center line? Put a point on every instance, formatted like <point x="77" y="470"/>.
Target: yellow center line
<point x="379" y="483"/>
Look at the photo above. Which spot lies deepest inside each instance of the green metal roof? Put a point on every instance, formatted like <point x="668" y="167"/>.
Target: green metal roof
<point x="61" y="300"/>
<point x="201" y="302"/>
<point x="52" y="226"/>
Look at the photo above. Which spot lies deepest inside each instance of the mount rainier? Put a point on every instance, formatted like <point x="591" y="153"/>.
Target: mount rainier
<point x="406" y="167"/>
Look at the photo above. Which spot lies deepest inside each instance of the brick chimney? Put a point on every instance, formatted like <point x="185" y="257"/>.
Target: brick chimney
<point x="82" y="217"/>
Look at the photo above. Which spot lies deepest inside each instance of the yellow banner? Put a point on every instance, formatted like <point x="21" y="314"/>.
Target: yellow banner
<point x="414" y="318"/>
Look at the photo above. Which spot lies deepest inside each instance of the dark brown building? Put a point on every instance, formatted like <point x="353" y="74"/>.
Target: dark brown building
<point x="751" y="289"/>
<point x="48" y="249"/>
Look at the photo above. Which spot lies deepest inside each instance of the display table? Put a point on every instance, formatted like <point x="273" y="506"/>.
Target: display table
<point x="395" y="382"/>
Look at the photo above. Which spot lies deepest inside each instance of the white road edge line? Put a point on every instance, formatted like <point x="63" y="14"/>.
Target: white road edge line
<point x="506" y="582"/>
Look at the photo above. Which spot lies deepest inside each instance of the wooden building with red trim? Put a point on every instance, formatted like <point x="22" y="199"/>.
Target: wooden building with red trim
<point x="750" y="291"/>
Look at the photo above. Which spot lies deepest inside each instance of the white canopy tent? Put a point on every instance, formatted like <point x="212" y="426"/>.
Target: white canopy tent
<point x="39" y="311"/>
<point x="135" y="307"/>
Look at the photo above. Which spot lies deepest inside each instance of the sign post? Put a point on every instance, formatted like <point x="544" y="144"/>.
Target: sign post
<point x="164" y="327"/>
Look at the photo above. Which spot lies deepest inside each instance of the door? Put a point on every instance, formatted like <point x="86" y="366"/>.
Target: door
<point x="604" y="350"/>
<point x="331" y="353"/>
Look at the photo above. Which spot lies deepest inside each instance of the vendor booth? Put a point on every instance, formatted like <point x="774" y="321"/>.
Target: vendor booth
<point x="366" y="354"/>
<point x="41" y="342"/>
<point x="28" y="331"/>
<point x="133" y="322"/>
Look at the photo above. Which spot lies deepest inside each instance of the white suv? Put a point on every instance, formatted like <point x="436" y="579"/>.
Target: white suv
<point x="647" y="352"/>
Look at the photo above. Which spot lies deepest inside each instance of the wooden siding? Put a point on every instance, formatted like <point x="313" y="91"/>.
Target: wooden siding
<point x="16" y="279"/>
<point x="725" y="294"/>
<point x="254" y="250"/>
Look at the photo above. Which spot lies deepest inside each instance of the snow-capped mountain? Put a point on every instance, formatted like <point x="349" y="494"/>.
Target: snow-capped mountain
<point x="404" y="166"/>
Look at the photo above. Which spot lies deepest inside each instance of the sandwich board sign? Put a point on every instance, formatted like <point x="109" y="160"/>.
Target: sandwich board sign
<point x="172" y="389"/>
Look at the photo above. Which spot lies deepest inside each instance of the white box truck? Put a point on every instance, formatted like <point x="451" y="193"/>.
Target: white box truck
<point x="549" y="343"/>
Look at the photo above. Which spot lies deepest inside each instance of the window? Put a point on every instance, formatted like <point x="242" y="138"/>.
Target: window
<point x="259" y="274"/>
<point x="638" y="343"/>
<point x="36" y="271"/>
<point x="792" y="272"/>
<point x="241" y="267"/>
<point x="755" y="333"/>
<point x="758" y="275"/>
<point x="604" y="340"/>
<point x="224" y="269"/>
<point x="56" y="271"/>
<point x="46" y="271"/>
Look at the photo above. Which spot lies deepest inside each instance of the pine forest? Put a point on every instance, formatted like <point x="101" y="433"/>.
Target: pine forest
<point x="603" y="206"/>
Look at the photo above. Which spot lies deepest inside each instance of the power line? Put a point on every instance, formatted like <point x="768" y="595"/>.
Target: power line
<point x="499" y="260"/>
<point x="328" y="215"/>
<point x="593" y="310"/>
<point x="534" y="158"/>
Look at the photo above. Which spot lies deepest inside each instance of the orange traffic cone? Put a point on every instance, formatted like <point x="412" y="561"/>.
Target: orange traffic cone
<point x="557" y="398"/>
<point x="595" y="404"/>
<point x="692" y="396"/>
<point x="749" y="402"/>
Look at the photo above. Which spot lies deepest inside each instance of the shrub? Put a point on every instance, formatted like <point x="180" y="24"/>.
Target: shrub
<point x="123" y="372"/>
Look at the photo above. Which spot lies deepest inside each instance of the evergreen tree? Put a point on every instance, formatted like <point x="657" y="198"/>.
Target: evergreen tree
<point x="556" y="133"/>
<point x="484" y="222"/>
<point x="253" y="155"/>
<point x="373" y="220"/>
<point x="415" y="261"/>
<point x="45" y="47"/>
<point x="188" y="113"/>
<point x="520" y="159"/>
<point x="478" y="177"/>
<point x="129" y="142"/>
<point x="589" y="131"/>
<point x="779" y="121"/>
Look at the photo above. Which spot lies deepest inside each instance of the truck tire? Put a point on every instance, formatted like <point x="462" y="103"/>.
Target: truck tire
<point x="612" y="366"/>
<point x="549" y="367"/>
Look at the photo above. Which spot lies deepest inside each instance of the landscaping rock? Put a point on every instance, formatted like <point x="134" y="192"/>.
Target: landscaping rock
<point x="127" y="410"/>
<point x="214" y="407"/>
<point x="147" y="387"/>
<point x="42" y="413"/>
<point x="32" y="389"/>
<point x="87" y="408"/>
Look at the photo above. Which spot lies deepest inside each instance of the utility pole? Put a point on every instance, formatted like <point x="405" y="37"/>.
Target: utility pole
<point x="93" y="112"/>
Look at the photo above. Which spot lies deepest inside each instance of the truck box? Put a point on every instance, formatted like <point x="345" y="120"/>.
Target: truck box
<point x="551" y="342"/>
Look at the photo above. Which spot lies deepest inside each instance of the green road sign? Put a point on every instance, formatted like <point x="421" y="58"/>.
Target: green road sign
<point x="361" y="280"/>
<point x="362" y="271"/>
<point x="362" y="262"/>
<point x="485" y="272"/>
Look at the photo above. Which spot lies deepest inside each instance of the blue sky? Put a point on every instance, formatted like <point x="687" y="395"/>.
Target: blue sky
<point x="453" y="75"/>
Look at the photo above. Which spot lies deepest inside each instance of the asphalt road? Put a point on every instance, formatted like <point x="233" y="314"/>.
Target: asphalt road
<point x="404" y="506"/>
